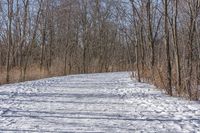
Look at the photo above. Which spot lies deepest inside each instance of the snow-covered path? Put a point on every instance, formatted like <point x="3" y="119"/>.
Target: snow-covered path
<point x="108" y="102"/>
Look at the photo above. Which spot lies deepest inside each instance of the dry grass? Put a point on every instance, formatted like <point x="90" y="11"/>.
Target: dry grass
<point x="159" y="79"/>
<point x="57" y="69"/>
<point x="33" y="72"/>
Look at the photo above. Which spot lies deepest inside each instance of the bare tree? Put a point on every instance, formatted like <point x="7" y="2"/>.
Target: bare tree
<point x="10" y="18"/>
<point x="167" y="46"/>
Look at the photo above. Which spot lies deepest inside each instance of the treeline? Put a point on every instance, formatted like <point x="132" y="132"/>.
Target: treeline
<point x="41" y="38"/>
<point x="167" y="42"/>
<point x="157" y="39"/>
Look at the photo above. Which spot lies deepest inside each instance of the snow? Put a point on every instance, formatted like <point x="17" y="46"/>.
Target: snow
<point x="107" y="102"/>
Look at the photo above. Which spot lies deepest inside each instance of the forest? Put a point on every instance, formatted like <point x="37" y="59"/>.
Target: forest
<point x="158" y="40"/>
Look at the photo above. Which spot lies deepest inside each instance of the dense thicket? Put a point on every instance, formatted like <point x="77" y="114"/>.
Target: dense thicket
<point x="59" y="37"/>
<point x="158" y="39"/>
<point x="166" y="33"/>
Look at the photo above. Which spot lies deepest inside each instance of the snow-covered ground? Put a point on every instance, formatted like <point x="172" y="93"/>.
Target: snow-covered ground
<point x="108" y="102"/>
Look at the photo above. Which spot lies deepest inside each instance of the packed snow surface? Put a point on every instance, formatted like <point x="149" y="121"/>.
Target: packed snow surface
<point x="107" y="102"/>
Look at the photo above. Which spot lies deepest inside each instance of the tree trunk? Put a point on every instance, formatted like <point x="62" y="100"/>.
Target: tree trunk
<point x="10" y="16"/>
<point x="177" y="56"/>
<point x="150" y="38"/>
<point x="167" y="46"/>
